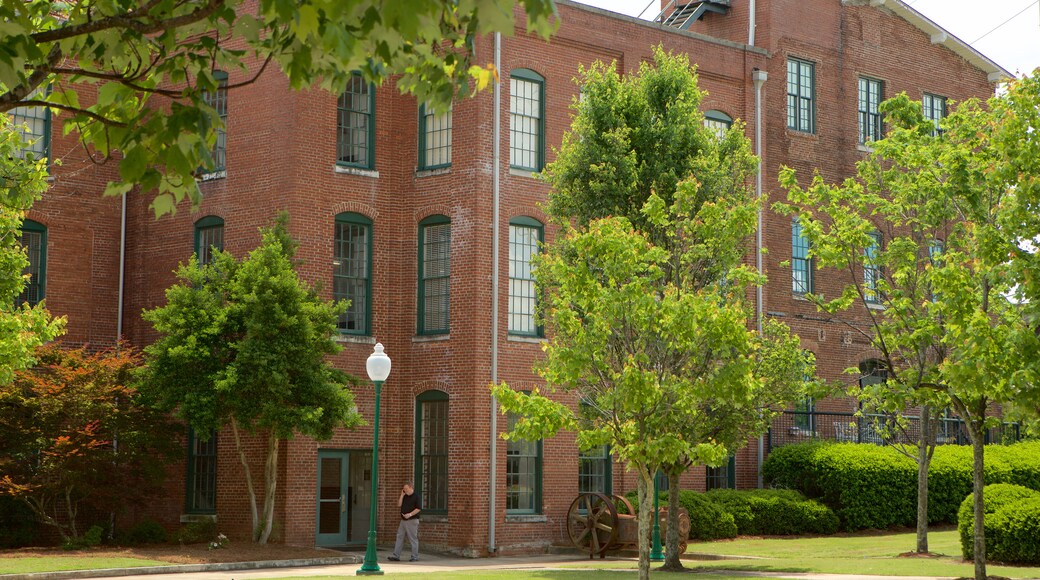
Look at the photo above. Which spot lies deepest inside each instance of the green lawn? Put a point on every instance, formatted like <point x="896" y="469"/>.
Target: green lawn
<point x="30" y="564"/>
<point x="545" y="574"/>
<point x="868" y="554"/>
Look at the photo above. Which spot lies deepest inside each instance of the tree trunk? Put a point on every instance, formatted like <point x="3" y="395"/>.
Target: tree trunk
<point x="672" y="563"/>
<point x="249" y="480"/>
<point x="978" y="459"/>
<point x="646" y="509"/>
<point x="270" y="484"/>
<point x="924" y="459"/>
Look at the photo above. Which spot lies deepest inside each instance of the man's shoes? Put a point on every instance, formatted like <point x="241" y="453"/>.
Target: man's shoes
<point x="413" y="559"/>
<point x="393" y="558"/>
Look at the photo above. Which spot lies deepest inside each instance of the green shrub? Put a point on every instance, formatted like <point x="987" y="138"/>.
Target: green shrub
<point x="196" y="532"/>
<point x="869" y="486"/>
<point x="146" y="532"/>
<point x="707" y="520"/>
<point x="88" y="540"/>
<point x="1016" y="532"/>
<point x="996" y="498"/>
<point x="774" y="512"/>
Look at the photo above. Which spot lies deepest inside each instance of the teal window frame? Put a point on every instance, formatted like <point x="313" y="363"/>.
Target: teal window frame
<point x="523" y="291"/>
<point x="872" y="270"/>
<point x="356" y="124"/>
<point x="353" y="274"/>
<point x="801" y="95"/>
<point x="722" y="477"/>
<point x="434" y="279"/>
<point x="36" y="143"/>
<point x="801" y="262"/>
<point x="934" y="109"/>
<point x="34" y="240"/>
<point x="526" y="120"/>
<point x="596" y="466"/>
<point x="201" y="477"/>
<point x="208" y="229"/>
<point x="435" y="138"/>
<point x="432" y="428"/>
<point x="806" y="417"/>
<point x="718" y="122"/>
<point x="871" y="92"/>
<point x="523" y="474"/>
<point x="218" y="101"/>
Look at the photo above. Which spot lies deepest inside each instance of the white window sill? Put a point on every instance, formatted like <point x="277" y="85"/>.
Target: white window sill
<point x="864" y="148"/>
<point x="527" y="339"/>
<point x="345" y="170"/>
<point x="188" y="518"/>
<point x="430" y="337"/>
<point x="523" y="173"/>
<point x="433" y="518"/>
<point x="526" y="518"/>
<point x="354" y="338"/>
<point x="419" y="173"/>
<point x="215" y="175"/>
<point x="875" y="306"/>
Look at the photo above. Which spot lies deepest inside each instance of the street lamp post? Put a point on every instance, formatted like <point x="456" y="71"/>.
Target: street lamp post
<point x="656" y="555"/>
<point x="378" y="366"/>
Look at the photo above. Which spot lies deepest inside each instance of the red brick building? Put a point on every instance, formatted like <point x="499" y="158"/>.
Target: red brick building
<point x="426" y="221"/>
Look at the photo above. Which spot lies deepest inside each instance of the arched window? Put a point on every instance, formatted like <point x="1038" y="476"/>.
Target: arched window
<point x="352" y="272"/>
<point x="526" y="120"/>
<point x="434" y="274"/>
<point x="209" y="237"/>
<point x="431" y="450"/>
<point x="525" y="236"/>
<point x="34" y="240"/>
<point x="718" y="121"/>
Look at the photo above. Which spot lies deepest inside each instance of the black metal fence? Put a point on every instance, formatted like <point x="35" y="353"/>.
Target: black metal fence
<point x="800" y="426"/>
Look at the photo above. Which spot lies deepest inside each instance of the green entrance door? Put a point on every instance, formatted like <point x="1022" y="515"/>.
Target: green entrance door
<point x="344" y="492"/>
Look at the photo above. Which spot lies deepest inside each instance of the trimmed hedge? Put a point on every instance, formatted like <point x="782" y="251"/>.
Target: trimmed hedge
<point x="869" y="486"/>
<point x="771" y="512"/>
<point x="1011" y="518"/>
<point x="707" y="520"/>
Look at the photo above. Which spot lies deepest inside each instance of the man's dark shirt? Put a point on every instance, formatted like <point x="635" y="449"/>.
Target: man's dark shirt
<point x="410" y="503"/>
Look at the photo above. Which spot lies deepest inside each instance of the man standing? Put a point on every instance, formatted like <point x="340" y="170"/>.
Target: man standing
<point x="410" y="507"/>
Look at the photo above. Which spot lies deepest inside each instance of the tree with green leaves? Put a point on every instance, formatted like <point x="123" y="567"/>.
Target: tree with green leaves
<point x="651" y="329"/>
<point x="24" y="326"/>
<point x="245" y="343"/>
<point x="74" y="432"/>
<point x="921" y="231"/>
<point x="131" y="77"/>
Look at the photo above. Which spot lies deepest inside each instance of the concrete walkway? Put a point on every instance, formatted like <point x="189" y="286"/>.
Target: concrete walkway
<point x="345" y="566"/>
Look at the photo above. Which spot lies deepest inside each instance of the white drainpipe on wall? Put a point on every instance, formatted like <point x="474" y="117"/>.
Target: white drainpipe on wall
<point x="122" y="270"/>
<point x="496" y="134"/>
<point x="751" y="24"/>
<point x="758" y="77"/>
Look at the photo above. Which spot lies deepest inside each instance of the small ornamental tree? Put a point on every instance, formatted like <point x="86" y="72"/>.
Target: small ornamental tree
<point x="946" y="317"/>
<point x="74" y="433"/>
<point x="650" y="326"/>
<point x="24" y="327"/>
<point x="152" y="64"/>
<point x="245" y="343"/>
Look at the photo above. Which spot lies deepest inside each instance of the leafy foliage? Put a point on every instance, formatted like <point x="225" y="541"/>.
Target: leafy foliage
<point x="23" y="328"/>
<point x="708" y="521"/>
<point x="74" y="433"/>
<point x="131" y="76"/>
<point x="870" y="486"/>
<point x="999" y="497"/>
<point x="774" y="512"/>
<point x="246" y="343"/>
<point x="645" y="291"/>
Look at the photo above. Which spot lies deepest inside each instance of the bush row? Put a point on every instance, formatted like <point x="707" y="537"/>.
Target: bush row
<point x="869" y="486"/>
<point x="726" y="513"/>
<point x="1012" y="524"/>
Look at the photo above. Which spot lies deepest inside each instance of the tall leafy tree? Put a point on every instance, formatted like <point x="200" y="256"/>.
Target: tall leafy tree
<point x="245" y="343"/>
<point x="22" y="328"/>
<point x="946" y="315"/>
<point x="74" y="433"/>
<point x="151" y="63"/>
<point x="648" y="312"/>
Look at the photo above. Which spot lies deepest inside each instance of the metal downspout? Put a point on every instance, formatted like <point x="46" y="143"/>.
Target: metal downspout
<point x="122" y="270"/>
<point x="496" y="134"/>
<point x="759" y="78"/>
<point x="751" y="24"/>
